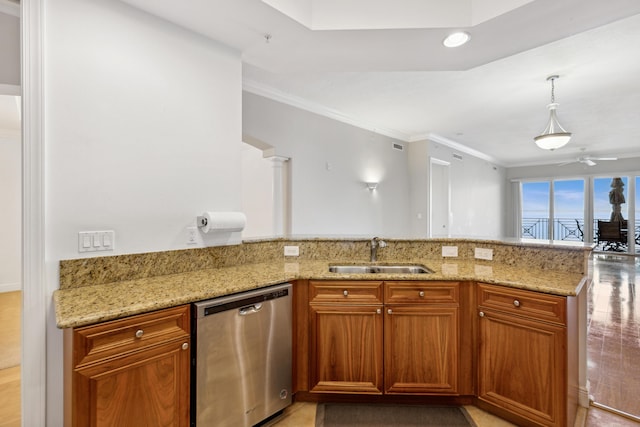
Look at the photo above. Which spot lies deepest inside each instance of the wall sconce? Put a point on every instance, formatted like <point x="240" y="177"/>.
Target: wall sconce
<point x="372" y="185"/>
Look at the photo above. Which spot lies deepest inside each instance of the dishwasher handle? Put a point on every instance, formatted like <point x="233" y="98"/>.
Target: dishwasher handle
<point x="250" y="309"/>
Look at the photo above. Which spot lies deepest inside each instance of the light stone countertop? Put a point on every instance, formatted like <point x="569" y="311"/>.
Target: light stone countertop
<point x="87" y="305"/>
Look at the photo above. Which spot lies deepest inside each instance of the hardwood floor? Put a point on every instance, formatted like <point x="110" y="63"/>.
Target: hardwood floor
<point x="10" y="309"/>
<point x="10" y="397"/>
<point x="614" y="333"/>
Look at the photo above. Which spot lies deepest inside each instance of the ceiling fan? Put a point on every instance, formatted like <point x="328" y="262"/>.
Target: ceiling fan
<point x="587" y="160"/>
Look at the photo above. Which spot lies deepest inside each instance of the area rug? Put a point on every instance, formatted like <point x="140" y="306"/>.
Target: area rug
<point x="383" y="415"/>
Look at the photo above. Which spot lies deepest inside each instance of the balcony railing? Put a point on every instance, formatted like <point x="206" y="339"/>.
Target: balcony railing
<point x="563" y="229"/>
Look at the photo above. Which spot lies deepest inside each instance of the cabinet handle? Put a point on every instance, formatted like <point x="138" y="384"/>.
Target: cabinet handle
<point x="421" y="294"/>
<point x="185" y="345"/>
<point x="389" y="311"/>
<point x="378" y="311"/>
<point x="481" y="314"/>
<point x="139" y="333"/>
<point x="345" y="293"/>
<point x="516" y="303"/>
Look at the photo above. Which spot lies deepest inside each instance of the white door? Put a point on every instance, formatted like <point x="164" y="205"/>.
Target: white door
<point x="440" y="199"/>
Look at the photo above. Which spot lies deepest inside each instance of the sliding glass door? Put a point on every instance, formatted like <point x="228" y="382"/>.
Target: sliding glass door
<point x="614" y="204"/>
<point x="568" y="210"/>
<point x="536" y="210"/>
<point x="553" y="209"/>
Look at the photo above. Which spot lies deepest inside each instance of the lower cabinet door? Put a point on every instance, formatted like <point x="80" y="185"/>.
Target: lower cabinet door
<point x="521" y="367"/>
<point x="421" y="349"/>
<point x="149" y="388"/>
<point x="346" y="349"/>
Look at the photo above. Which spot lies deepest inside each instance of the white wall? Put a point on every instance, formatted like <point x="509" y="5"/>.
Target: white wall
<point x="419" y="200"/>
<point x="142" y="132"/>
<point x="9" y="50"/>
<point x="478" y="194"/>
<point x="330" y="163"/>
<point x="257" y="193"/>
<point x="10" y="213"/>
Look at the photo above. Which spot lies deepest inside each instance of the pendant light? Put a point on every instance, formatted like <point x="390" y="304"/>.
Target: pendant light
<point x="554" y="136"/>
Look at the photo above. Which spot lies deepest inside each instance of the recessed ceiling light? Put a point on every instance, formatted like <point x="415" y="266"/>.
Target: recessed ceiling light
<point x="456" y="39"/>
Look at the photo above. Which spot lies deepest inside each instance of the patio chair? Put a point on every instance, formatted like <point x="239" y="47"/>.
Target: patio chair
<point x="611" y="236"/>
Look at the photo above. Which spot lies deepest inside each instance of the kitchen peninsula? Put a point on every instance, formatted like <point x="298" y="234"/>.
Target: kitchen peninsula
<point x="528" y="291"/>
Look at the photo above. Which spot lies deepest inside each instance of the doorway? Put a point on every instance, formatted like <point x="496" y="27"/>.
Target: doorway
<point x="439" y="198"/>
<point x="10" y="259"/>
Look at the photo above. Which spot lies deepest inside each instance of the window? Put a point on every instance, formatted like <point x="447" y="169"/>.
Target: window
<point x="553" y="210"/>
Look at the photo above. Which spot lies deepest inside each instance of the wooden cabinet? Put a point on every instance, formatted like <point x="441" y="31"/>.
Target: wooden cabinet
<point x="129" y="372"/>
<point x="515" y="355"/>
<point x="523" y="371"/>
<point x="345" y="337"/>
<point x="412" y="326"/>
<point x="421" y="338"/>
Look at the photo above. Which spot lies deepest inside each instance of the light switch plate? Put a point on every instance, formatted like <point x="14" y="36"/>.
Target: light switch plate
<point x="449" y="251"/>
<point x="96" y="241"/>
<point x="484" y="253"/>
<point x="291" y="251"/>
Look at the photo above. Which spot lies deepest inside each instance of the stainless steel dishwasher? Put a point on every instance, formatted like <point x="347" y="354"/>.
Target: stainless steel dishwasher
<point x="241" y="373"/>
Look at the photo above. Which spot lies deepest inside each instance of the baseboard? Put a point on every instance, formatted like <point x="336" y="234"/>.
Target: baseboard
<point x="10" y="287"/>
<point x="583" y="396"/>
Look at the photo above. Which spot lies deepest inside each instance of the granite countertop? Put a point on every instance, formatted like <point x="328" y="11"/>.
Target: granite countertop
<point x="87" y="305"/>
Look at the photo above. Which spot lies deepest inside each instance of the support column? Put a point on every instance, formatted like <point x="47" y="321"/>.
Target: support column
<point x="280" y="196"/>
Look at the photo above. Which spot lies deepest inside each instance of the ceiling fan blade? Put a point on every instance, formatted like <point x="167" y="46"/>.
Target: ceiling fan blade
<point x="567" y="163"/>
<point x="589" y="162"/>
<point x="604" y="158"/>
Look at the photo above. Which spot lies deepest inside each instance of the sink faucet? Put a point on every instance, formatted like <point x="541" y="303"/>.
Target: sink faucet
<point x="375" y="244"/>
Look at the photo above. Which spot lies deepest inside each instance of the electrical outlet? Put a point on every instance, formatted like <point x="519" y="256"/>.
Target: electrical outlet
<point x="484" y="253"/>
<point x="291" y="251"/>
<point x="483" y="270"/>
<point x="449" y="251"/>
<point x="192" y="234"/>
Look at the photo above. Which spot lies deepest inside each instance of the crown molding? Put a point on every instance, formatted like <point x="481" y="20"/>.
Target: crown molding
<point x="456" y="146"/>
<point x="266" y="91"/>
<point x="261" y="89"/>
<point x="10" y="8"/>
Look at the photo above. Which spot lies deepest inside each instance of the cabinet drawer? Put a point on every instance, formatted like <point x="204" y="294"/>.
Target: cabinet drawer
<point x="120" y="337"/>
<point x="421" y="292"/>
<point x="353" y="292"/>
<point x="535" y="305"/>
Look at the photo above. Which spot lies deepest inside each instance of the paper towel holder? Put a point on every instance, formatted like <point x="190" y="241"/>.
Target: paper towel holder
<point x="201" y="221"/>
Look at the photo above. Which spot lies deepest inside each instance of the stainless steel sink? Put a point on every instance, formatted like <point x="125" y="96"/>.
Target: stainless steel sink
<point x="380" y="269"/>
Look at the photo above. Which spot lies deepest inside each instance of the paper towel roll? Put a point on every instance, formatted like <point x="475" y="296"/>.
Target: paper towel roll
<point x="224" y="221"/>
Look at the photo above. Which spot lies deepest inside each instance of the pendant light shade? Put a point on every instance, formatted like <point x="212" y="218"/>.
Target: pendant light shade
<point x="554" y="135"/>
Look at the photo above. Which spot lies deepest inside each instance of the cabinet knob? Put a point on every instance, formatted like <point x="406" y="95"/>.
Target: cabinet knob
<point x="389" y="311"/>
<point x="345" y="293"/>
<point x="185" y="345"/>
<point x="481" y="314"/>
<point x="421" y="294"/>
<point x="139" y="333"/>
<point x="378" y="311"/>
<point x="516" y="303"/>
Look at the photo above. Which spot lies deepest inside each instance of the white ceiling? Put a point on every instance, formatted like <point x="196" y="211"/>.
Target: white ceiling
<point x="489" y="95"/>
